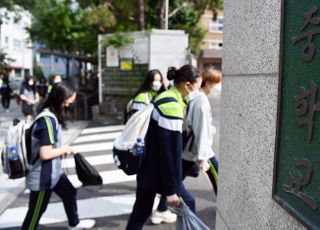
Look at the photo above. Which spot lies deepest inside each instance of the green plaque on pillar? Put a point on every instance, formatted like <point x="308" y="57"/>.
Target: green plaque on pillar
<point x="297" y="160"/>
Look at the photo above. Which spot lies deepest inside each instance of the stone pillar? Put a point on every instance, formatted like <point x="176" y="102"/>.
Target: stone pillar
<point x="249" y="116"/>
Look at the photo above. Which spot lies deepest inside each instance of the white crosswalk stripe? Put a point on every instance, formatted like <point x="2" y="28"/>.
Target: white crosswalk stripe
<point x="88" y="208"/>
<point x="102" y="129"/>
<point x="93" y="160"/>
<point x="93" y="147"/>
<point x="108" y="177"/>
<point x="97" y="137"/>
<point x="95" y="141"/>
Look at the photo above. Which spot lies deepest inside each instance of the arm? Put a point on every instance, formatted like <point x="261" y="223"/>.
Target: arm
<point x="47" y="152"/>
<point x="171" y="172"/>
<point x="46" y="130"/>
<point x="37" y="98"/>
<point x="24" y="98"/>
<point x="170" y="150"/>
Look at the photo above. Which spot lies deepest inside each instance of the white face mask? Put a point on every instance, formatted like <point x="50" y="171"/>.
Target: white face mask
<point x="156" y="85"/>
<point x="192" y="94"/>
<point x="31" y="82"/>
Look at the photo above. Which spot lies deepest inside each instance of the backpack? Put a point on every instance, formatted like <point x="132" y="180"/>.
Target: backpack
<point x="137" y="126"/>
<point x="17" y="152"/>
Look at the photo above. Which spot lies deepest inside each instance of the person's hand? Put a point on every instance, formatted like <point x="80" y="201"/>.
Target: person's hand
<point x="173" y="200"/>
<point x="203" y="165"/>
<point x="69" y="150"/>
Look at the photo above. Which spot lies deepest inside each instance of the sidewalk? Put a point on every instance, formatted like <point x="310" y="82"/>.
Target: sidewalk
<point x="10" y="189"/>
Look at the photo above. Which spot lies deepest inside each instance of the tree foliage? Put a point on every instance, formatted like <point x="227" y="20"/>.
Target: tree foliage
<point x="4" y="61"/>
<point x="118" y="40"/>
<point x="73" y="25"/>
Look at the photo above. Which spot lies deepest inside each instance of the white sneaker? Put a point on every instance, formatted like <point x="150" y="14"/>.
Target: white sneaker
<point x="163" y="217"/>
<point x="84" y="224"/>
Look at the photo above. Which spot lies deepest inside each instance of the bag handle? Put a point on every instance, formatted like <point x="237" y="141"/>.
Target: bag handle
<point x="147" y="98"/>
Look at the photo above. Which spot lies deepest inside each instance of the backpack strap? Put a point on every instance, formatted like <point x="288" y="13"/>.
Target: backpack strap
<point x="46" y="113"/>
<point x="147" y="98"/>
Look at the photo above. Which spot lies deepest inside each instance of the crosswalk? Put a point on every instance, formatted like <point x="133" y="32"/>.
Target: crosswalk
<point x="95" y="144"/>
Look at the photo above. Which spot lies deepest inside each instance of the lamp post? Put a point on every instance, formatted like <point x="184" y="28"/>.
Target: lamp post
<point x="1" y="21"/>
<point x="167" y="15"/>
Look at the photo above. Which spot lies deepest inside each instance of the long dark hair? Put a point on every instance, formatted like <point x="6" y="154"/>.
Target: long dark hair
<point x="30" y="87"/>
<point x="186" y="73"/>
<point x="146" y="85"/>
<point x="58" y="94"/>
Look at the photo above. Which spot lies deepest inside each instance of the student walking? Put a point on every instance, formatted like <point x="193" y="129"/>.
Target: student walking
<point x="6" y="93"/>
<point x="200" y="130"/>
<point x="151" y="87"/>
<point x="29" y="97"/>
<point x="42" y="89"/>
<point x="45" y="175"/>
<point x="161" y="169"/>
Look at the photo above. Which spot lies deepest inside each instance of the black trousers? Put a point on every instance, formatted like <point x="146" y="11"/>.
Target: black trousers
<point x="39" y="201"/>
<point x="142" y="208"/>
<point x="6" y="101"/>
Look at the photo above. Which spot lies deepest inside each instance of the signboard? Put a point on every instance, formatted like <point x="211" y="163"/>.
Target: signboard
<point x="297" y="164"/>
<point x="112" y="57"/>
<point x="126" y="64"/>
<point x="138" y="50"/>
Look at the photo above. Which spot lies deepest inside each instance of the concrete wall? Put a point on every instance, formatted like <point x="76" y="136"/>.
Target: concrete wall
<point x="248" y="117"/>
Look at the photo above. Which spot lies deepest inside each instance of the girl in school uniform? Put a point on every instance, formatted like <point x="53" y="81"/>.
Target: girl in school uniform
<point x="200" y="130"/>
<point x="151" y="87"/>
<point x="29" y="97"/>
<point x="45" y="175"/>
<point x="161" y="170"/>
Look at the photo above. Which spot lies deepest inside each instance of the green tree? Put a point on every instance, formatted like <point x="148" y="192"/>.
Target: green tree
<point x="4" y="62"/>
<point x="10" y="4"/>
<point x="59" y="27"/>
<point x="38" y="72"/>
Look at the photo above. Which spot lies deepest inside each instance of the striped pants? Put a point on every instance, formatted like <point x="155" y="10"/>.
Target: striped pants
<point x="39" y="201"/>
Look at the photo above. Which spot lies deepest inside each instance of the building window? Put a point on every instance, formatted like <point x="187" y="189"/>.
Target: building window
<point x="26" y="73"/>
<point x="43" y="55"/>
<point x="216" y="45"/>
<point x="6" y="40"/>
<point x="216" y="26"/>
<point x="17" y="73"/>
<point x="16" y="43"/>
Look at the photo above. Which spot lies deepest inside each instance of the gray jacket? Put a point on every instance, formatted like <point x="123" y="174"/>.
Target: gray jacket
<point x="199" y="121"/>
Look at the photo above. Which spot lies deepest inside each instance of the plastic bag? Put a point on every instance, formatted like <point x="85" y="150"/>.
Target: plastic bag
<point x="187" y="220"/>
<point x="87" y="174"/>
